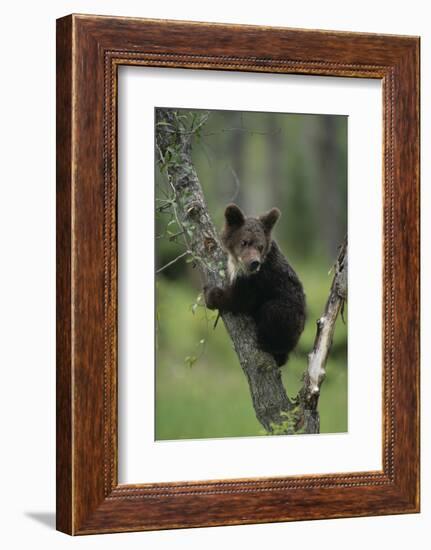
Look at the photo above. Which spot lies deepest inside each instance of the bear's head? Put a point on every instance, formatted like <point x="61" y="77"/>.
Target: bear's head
<point x="247" y="240"/>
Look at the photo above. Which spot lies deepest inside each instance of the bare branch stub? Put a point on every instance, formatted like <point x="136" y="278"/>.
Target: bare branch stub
<point x="315" y="373"/>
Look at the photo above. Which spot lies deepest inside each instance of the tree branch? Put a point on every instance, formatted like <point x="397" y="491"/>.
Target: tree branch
<point x="274" y="410"/>
<point x="315" y="373"/>
<point x="173" y="261"/>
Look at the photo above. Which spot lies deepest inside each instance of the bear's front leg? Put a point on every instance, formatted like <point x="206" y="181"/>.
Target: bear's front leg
<point x="215" y="297"/>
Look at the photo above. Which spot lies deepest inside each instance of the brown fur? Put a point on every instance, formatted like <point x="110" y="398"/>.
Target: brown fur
<point x="262" y="283"/>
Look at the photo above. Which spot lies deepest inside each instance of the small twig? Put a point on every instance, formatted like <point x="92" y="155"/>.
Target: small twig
<point x="201" y="123"/>
<point x="174" y="260"/>
<point x="216" y="321"/>
<point x="187" y="132"/>
<point x="164" y="207"/>
<point x="162" y="158"/>
<point x="249" y="130"/>
<point x="173" y="237"/>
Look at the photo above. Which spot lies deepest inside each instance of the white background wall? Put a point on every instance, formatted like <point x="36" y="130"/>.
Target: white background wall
<point x="27" y="245"/>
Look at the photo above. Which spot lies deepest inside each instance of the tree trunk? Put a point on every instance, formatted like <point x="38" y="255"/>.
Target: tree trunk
<point x="274" y="410"/>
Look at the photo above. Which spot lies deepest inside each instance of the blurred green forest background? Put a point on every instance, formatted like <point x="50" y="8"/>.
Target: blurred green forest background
<point x="298" y="163"/>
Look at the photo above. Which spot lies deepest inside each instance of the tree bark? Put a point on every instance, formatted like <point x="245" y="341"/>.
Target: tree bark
<point x="274" y="410"/>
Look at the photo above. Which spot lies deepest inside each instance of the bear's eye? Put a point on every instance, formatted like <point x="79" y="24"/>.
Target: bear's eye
<point x="260" y="248"/>
<point x="243" y="243"/>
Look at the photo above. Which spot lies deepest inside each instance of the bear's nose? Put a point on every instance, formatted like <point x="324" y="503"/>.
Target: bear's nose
<point x="254" y="266"/>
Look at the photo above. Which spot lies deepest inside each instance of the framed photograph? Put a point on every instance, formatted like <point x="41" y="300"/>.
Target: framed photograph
<point x="237" y="274"/>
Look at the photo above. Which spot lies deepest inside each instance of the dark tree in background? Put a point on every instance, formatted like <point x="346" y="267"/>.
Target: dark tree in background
<point x="330" y="161"/>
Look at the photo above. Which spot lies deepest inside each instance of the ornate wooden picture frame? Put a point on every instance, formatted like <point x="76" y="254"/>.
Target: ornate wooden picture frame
<point x="89" y="51"/>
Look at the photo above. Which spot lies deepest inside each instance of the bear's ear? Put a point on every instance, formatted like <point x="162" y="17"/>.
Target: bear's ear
<point x="270" y="219"/>
<point x="234" y="215"/>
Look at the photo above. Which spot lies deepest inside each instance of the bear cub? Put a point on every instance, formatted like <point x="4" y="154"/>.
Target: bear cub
<point x="262" y="284"/>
